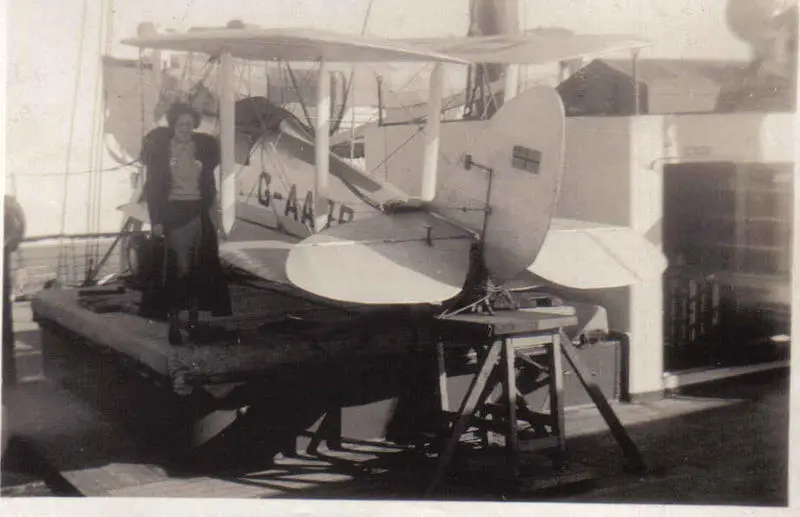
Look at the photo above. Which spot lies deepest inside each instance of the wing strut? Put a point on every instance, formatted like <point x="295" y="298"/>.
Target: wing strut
<point x="227" y="144"/>
<point x="432" y="126"/>
<point x="322" y="147"/>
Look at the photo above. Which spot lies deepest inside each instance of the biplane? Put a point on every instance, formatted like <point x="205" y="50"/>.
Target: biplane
<point x="482" y="215"/>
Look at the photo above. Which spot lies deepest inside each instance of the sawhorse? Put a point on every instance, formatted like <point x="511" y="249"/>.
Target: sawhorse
<point x="512" y="335"/>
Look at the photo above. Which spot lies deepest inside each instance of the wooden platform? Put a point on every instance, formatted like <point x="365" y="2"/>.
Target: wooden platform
<point x="255" y="389"/>
<point x="268" y="330"/>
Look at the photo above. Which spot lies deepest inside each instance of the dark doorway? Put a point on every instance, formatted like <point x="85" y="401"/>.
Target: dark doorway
<point x="727" y="235"/>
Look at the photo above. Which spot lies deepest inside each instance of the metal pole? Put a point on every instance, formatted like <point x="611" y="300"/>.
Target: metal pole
<point x="322" y="147"/>
<point x="227" y="144"/>
<point x="635" y="74"/>
<point x="432" y="129"/>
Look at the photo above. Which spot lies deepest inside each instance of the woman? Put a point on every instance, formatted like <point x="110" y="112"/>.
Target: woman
<point x="180" y="193"/>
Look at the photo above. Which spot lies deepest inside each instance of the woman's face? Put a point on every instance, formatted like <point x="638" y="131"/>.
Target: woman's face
<point x="184" y="127"/>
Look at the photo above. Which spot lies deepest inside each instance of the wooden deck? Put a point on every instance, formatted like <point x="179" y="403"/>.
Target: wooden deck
<point x="268" y="330"/>
<point x="100" y="457"/>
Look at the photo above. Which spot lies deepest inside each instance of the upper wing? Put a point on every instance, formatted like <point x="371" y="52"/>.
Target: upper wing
<point x="290" y="45"/>
<point x="529" y="48"/>
<point x="586" y="255"/>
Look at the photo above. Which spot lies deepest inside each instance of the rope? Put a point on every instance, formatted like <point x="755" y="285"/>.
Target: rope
<point x="94" y="205"/>
<point x="338" y="119"/>
<point x="78" y="173"/>
<point x="78" y="68"/>
<point x="109" y="34"/>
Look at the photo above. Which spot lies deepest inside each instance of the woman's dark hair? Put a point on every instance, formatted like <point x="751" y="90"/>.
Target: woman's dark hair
<point x="176" y="110"/>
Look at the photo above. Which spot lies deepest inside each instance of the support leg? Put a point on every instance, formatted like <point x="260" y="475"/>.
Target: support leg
<point x="557" y="401"/>
<point x="330" y="430"/>
<point x="629" y="448"/>
<point x="471" y="401"/>
<point x="444" y="402"/>
<point x="510" y="391"/>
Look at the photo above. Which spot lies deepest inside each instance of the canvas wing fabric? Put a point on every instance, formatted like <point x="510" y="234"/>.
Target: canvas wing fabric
<point x="586" y="255"/>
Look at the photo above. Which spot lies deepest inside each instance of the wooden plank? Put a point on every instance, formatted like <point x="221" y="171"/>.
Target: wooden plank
<point x="508" y="322"/>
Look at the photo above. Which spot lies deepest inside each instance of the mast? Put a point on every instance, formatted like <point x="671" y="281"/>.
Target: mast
<point x="513" y="25"/>
<point x="487" y="17"/>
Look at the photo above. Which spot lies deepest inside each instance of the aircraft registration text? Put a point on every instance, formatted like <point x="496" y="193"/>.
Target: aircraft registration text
<point x="337" y="212"/>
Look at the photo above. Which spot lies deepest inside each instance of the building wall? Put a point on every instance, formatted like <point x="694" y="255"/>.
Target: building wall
<point x="608" y="178"/>
<point x="614" y="174"/>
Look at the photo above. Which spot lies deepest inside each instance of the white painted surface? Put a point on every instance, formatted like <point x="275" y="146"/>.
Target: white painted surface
<point x="738" y="137"/>
<point x="227" y="120"/>
<point x="432" y="131"/>
<point x="322" y="145"/>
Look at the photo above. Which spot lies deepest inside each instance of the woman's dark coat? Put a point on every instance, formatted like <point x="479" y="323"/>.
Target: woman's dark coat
<point x="213" y="292"/>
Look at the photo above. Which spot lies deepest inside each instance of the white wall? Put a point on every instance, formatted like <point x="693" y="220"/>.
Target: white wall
<point x="596" y="184"/>
<point x="607" y="179"/>
<point x="738" y="137"/>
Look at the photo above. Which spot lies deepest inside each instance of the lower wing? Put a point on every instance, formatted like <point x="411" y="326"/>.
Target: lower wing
<point x="585" y="255"/>
<point x="404" y="258"/>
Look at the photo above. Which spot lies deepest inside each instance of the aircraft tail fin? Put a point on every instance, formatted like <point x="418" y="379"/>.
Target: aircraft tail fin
<point x="513" y="171"/>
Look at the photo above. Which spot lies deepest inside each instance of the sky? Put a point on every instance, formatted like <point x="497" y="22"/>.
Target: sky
<point x="50" y="105"/>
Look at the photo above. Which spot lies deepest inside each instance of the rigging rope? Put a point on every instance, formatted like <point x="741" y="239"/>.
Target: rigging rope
<point x="78" y="69"/>
<point x="94" y="205"/>
<point x="337" y="120"/>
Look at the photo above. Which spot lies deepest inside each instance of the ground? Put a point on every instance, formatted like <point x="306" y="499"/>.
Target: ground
<point x="721" y="443"/>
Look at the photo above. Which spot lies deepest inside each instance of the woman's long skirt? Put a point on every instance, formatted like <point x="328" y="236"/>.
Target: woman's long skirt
<point x="193" y="276"/>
